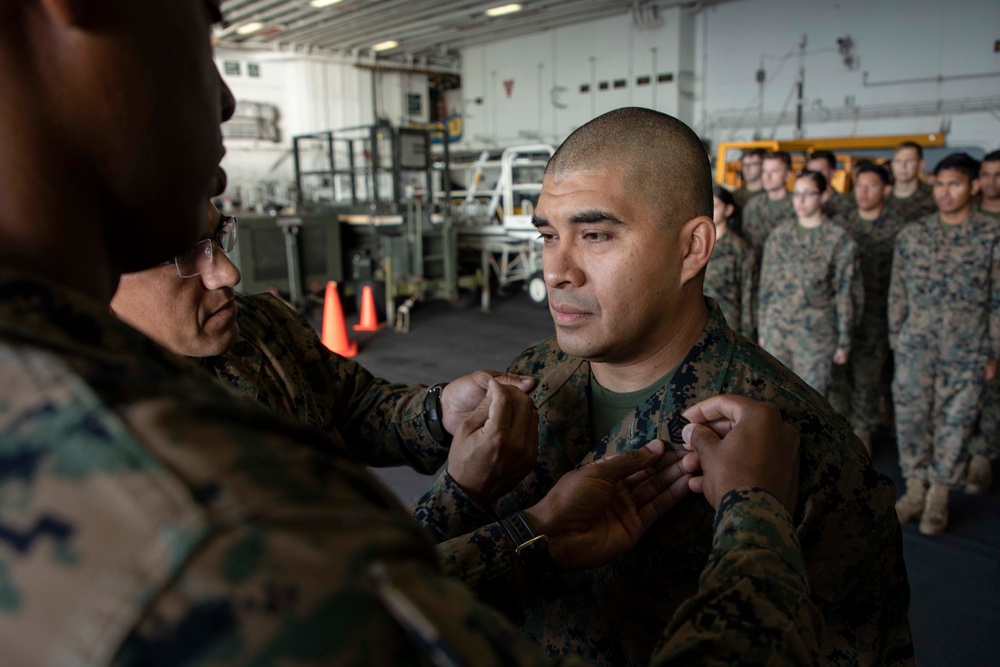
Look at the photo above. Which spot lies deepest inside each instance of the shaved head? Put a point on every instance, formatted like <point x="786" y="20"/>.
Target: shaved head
<point x="663" y="161"/>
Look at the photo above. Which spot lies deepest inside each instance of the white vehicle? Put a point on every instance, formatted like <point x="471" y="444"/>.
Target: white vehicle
<point x="497" y="221"/>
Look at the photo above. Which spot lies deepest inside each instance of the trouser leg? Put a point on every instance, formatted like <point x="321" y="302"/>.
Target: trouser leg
<point x="958" y="392"/>
<point x="986" y="442"/>
<point x="814" y="361"/>
<point x="867" y="362"/>
<point x="913" y="399"/>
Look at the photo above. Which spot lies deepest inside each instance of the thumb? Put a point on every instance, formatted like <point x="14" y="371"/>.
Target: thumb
<point x="523" y="382"/>
<point x="697" y="437"/>
<point x="478" y="416"/>
<point x="618" y="467"/>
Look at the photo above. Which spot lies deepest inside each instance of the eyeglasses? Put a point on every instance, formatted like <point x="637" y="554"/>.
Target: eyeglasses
<point x="808" y="194"/>
<point x="199" y="257"/>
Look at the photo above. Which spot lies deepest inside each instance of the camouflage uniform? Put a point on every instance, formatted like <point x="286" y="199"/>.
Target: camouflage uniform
<point x="839" y="206"/>
<point x="845" y="518"/>
<point x="729" y="279"/>
<point x="944" y="324"/>
<point x="279" y="361"/>
<point x="759" y="221"/>
<point x="148" y="517"/>
<point x="741" y="196"/>
<point x="809" y="294"/>
<point x="858" y="388"/>
<point x="916" y="206"/>
<point x="986" y="442"/>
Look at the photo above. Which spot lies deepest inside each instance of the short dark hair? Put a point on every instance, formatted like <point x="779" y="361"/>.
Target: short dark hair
<point x="750" y="152"/>
<point x="911" y="144"/>
<point x="961" y="162"/>
<point x="725" y="195"/>
<point x="877" y="169"/>
<point x="661" y="157"/>
<point x="816" y="177"/>
<point x="830" y="158"/>
<point x="780" y="155"/>
<point x="992" y="157"/>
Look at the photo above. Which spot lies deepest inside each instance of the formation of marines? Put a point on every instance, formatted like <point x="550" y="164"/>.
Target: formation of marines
<point x="888" y="303"/>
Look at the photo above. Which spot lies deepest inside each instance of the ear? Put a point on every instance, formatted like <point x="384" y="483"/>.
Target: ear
<point x="975" y="186"/>
<point x="730" y="209"/>
<point x="698" y="235"/>
<point x="887" y="190"/>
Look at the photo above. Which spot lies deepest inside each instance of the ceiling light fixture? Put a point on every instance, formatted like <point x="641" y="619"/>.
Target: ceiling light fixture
<point x="386" y="45"/>
<point x="504" y="9"/>
<point x="323" y="3"/>
<point x="249" y="28"/>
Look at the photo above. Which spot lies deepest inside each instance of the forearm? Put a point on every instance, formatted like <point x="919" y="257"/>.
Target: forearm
<point x="447" y="511"/>
<point x="756" y="572"/>
<point x="389" y="420"/>
<point x="994" y="315"/>
<point x="846" y="283"/>
<point x="484" y="561"/>
<point x="897" y="306"/>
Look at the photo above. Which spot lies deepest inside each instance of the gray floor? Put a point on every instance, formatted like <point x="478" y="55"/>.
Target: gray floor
<point x="954" y="579"/>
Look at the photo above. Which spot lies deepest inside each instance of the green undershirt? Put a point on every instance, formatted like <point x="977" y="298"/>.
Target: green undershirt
<point x="609" y="408"/>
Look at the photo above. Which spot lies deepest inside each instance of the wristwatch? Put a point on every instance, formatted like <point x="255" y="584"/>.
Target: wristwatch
<point x="533" y="551"/>
<point x="433" y="414"/>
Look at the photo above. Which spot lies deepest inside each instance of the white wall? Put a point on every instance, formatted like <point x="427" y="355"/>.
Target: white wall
<point x="313" y="94"/>
<point x="715" y="52"/>
<point x="548" y="69"/>
<point x="894" y="40"/>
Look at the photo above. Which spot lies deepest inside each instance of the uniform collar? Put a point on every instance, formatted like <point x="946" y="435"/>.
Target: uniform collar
<point x="700" y="374"/>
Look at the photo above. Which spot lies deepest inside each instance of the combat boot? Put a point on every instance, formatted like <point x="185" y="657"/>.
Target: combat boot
<point x="935" y="517"/>
<point x="980" y="476"/>
<point x="911" y="504"/>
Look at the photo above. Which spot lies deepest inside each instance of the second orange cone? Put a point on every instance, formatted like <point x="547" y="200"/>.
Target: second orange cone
<point x="369" y="320"/>
<point x="334" y="334"/>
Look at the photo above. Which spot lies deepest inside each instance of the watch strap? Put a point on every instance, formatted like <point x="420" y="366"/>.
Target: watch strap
<point x="532" y="550"/>
<point x="434" y="414"/>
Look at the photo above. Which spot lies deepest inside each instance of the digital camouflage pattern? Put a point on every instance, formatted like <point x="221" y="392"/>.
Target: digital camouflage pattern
<point x="839" y="205"/>
<point x="148" y="517"/>
<point x="858" y="386"/>
<point x="916" y="206"/>
<point x="280" y="362"/>
<point x="944" y="324"/>
<point x="741" y="196"/>
<point x="759" y="221"/>
<point x="810" y="290"/>
<point x="986" y="441"/>
<point x="729" y="279"/>
<point x="845" y="519"/>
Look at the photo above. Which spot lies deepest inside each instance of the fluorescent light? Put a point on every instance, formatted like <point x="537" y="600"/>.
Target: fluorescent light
<point x="504" y="9"/>
<point x="386" y="45"/>
<point x="323" y="3"/>
<point x="248" y="28"/>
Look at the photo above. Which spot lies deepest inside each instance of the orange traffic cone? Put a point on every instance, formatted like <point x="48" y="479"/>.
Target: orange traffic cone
<point x="369" y="320"/>
<point x="334" y="328"/>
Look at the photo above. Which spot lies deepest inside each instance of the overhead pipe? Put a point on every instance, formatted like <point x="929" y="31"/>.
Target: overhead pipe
<point x="734" y="119"/>
<point x="929" y="79"/>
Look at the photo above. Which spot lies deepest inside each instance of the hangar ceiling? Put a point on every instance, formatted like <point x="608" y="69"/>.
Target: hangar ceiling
<point x="426" y="32"/>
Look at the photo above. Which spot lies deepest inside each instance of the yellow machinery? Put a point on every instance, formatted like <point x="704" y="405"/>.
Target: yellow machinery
<point x="727" y="165"/>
